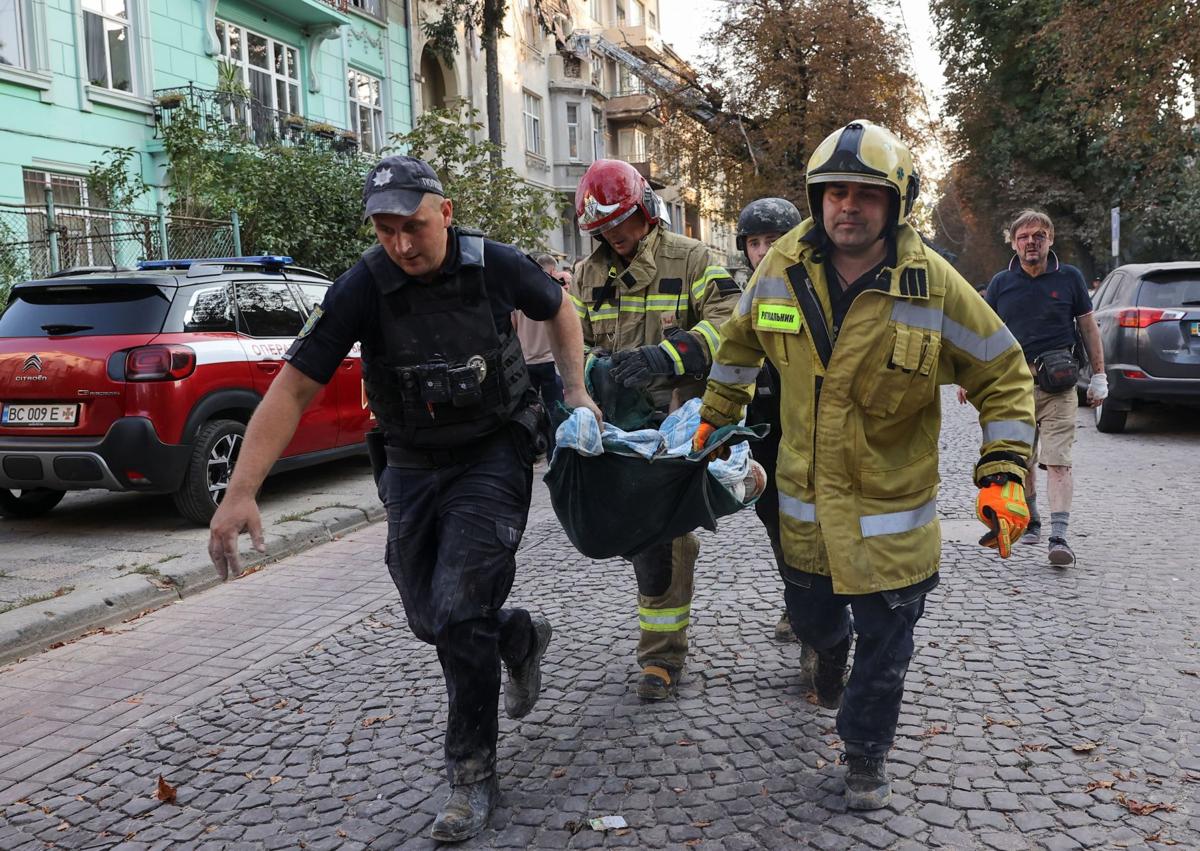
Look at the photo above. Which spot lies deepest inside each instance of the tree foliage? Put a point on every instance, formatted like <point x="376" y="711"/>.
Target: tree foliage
<point x="1073" y="106"/>
<point x="788" y="73"/>
<point x="493" y="199"/>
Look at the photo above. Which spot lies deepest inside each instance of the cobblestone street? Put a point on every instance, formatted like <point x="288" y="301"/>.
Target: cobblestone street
<point x="293" y="709"/>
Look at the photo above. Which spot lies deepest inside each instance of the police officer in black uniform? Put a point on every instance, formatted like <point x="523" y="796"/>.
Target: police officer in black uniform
<point x="446" y="380"/>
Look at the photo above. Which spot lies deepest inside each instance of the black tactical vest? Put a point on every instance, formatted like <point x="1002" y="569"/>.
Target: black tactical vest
<point x="444" y="378"/>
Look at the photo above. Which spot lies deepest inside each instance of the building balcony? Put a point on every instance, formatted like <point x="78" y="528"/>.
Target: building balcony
<point x="632" y="107"/>
<point x="313" y="13"/>
<point x="642" y="40"/>
<point x="246" y="118"/>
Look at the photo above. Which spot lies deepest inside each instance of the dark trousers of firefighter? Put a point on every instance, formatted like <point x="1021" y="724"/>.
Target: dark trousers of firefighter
<point x="453" y="534"/>
<point x="664" y="579"/>
<point x="766" y="452"/>
<point x="883" y="627"/>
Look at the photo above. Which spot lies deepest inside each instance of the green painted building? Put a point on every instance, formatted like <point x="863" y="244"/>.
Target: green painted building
<point x="78" y="77"/>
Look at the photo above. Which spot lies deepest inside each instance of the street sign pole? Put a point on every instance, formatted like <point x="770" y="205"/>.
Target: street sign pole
<point x="1116" y="234"/>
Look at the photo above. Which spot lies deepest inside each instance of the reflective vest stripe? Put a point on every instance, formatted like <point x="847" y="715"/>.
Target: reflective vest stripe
<point x="710" y="334"/>
<point x="873" y="525"/>
<point x="711" y="274"/>
<point x="1018" y="430"/>
<point x="797" y="509"/>
<point x="730" y="374"/>
<point x="981" y="348"/>
<point x="580" y="307"/>
<point x="664" y="620"/>
<point x="766" y="287"/>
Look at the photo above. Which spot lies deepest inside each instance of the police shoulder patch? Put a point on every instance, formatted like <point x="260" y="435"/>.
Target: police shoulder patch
<point x="311" y="323"/>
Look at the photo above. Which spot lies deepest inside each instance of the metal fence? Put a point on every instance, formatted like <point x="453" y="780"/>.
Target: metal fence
<point x="37" y="240"/>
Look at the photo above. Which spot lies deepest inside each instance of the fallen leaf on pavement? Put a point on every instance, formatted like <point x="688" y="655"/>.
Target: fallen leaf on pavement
<point x="692" y="843"/>
<point x="936" y="730"/>
<point x="250" y="775"/>
<point x="558" y="772"/>
<point x="703" y="823"/>
<point x="367" y="722"/>
<point x="1084" y="747"/>
<point x="684" y="742"/>
<point x="1143" y="808"/>
<point x="1099" y="784"/>
<point x="275" y="778"/>
<point x="66" y="825"/>
<point x="165" y="791"/>
<point x="282" y="704"/>
<point x="1191" y="777"/>
<point x="988" y="721"/>
<point x="1033" y="746"/>
<point x="137" y="698"/>
<point x="341" y="833"/>
<point x="1190" y="673"/>
<point x="1160" y="839"/>
<point x="821" y="763"/>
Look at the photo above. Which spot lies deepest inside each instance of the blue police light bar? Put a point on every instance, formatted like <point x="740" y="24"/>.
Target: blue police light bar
<point x="268" y="261"/>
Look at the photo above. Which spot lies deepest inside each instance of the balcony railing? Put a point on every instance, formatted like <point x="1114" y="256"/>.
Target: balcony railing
<point x="258" y="123"/>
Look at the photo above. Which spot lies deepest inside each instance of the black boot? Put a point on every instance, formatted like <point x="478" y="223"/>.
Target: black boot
<point x="830" y="677"/>
<point x="466" y="811"/>
<point x="867" y="784"/>
<point x="525" y="680"/>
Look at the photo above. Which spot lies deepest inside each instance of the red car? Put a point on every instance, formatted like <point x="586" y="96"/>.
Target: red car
<point x="144" y="380"/>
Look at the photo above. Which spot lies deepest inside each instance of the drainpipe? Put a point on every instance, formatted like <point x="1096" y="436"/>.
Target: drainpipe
<point x="413" y="70"/>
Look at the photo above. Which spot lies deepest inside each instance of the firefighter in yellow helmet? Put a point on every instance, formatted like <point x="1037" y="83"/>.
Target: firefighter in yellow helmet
<point x="864" y="323"/>
<point x="653" y="300"/>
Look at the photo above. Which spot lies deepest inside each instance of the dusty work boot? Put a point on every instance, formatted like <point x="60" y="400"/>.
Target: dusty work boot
<point x="466" y="811"/>
<point x="867" y="784"/>
<point x="1033" y="534"/>
<point x="783" y="629"/>
<point x="1061" y="555"/>
<point x="829" y="681"/>
<point x="525" y="680"/>
<point x="658" y="682"/>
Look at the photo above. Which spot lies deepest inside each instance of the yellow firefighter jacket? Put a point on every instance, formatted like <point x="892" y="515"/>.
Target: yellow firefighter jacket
<point x="671" y="282"/>
<point x="858" y="472"/>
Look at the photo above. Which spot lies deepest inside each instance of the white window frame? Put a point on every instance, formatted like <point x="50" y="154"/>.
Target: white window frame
<point x="83" y="212"/>
<point x="19" y="18"/>
<point x="376" y="9"/>
<point x="634" y="150"/>
<point x="223" y="28"/>
<point x="533" y="123"/>
<point x="371" y="140"/>
<point x="637" y="13"/>
<point x="573" y="133"/>
<point x="125" y="23"/>
<point x="597" y="134"/>
<point x="596" y="10"/>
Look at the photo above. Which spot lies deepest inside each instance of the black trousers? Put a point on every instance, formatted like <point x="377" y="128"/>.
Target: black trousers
<point x="883" y="623"/>
<point x="453" y="534"/>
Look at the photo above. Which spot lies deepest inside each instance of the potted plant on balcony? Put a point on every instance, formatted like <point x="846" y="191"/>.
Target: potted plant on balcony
<point x="347" y="141"/>
<point x="320" y="128"/>
<point x="293" y="121"/>
<point x="170" y="100"/>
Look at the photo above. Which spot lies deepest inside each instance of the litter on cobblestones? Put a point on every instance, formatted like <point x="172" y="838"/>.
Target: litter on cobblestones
<point x="607" y="823"/>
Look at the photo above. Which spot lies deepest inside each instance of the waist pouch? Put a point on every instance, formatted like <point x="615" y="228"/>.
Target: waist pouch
<point x="1056" y="370"/>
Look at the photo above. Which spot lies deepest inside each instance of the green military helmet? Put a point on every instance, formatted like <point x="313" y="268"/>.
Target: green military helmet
<point x="863" y="152"/>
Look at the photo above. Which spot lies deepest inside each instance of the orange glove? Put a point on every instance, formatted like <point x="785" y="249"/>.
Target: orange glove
<point x="700" y="439"/>
<point x="1002" y="508"/>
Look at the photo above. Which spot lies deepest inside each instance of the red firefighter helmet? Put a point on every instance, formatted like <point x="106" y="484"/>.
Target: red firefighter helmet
<point x="609" y="193"/>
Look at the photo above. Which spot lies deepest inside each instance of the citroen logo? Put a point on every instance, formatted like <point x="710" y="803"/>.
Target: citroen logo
<point x="33" y="363"/>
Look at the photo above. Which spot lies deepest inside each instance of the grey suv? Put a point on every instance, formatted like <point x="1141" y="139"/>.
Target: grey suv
<point x="1149" y="318"/>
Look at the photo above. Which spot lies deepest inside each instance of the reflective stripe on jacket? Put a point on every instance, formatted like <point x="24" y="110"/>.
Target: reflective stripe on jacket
<point x="858" y="473"/>
<point x="671" y="282"/>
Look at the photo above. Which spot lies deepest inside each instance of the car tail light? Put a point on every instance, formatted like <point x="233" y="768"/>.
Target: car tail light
<point x="1143" y="317"/>
<point x="159" y="363"/>
<point x="1133" y="373"/>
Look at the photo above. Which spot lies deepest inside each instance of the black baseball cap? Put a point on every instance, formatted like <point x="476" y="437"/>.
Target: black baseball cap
<point x="397" y="185"/>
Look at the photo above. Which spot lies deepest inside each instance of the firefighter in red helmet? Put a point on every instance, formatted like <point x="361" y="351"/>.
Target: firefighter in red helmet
<point x="654" y="301"/>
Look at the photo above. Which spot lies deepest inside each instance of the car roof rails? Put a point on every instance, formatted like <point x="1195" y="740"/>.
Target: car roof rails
<point x="200" y="266"/>
<point x="86" y="270"/>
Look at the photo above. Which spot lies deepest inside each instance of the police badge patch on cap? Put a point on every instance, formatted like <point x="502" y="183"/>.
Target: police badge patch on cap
<point x="311" y="323"/>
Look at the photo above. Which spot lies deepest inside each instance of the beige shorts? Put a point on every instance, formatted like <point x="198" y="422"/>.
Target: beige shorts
<point x="1055" y="415"/>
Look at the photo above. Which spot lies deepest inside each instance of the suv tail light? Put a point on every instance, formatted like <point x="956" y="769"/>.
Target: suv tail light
<point x="1143" y="317"/>
<point x="159" y="363"/>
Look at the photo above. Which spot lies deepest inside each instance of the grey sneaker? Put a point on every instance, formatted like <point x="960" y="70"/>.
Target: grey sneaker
<point x="1033" y="534"/>
<point x="525" y="680"/>
<point x="466" y="811"/>
<point x="783" y="629"/>
<point x="867" y="784"/>
<point x="1061" y="555"/>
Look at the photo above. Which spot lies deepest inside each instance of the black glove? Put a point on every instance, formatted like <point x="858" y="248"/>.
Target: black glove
<point x="638" y="367"/>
